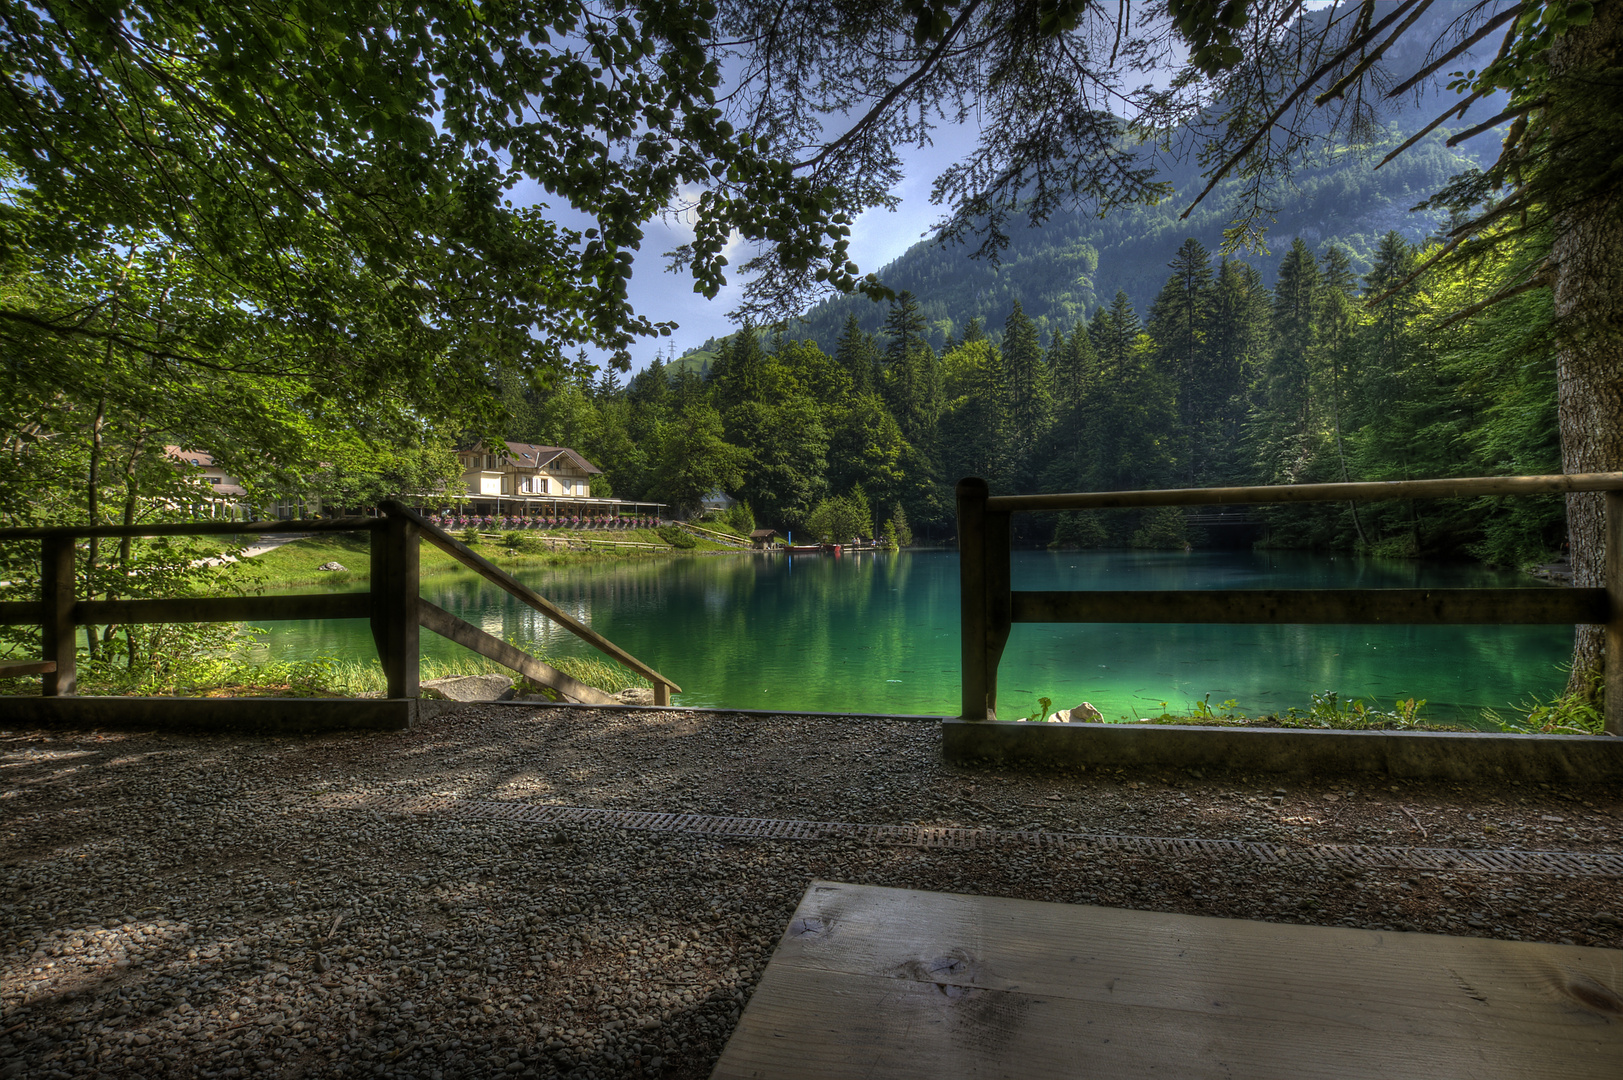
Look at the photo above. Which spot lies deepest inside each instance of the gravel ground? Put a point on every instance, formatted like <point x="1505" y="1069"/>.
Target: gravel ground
<point x="189" y="906"/>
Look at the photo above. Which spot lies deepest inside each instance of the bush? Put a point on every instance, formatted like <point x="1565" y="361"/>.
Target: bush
<point x="532" y="544"/>
<point x="1080" y="529"/>
<point x="469" y="534"/>
<point x="676" y="536"/>
<point x="742" y="519"/>
<point x="1162" y="527"/>
<point x="898" y="523"/>
<point x="513" y="539"/>
<point x="838" y="520"/>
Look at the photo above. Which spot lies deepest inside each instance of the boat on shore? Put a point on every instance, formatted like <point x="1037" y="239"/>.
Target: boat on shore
<point x="812" y="549"/>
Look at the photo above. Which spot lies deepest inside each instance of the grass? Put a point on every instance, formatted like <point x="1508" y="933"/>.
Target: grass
<point x="1568" y="714"/>
<point x="232" y="673"/>
<point x="1580" y="713"/>
<point x="296" y="563"/>
<point x="358" y="678"/>
<point x="1326" y="711"/>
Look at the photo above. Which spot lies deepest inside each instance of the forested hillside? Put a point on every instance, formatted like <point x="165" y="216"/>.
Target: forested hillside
<point x="1220" y="379"/>
<point x="1063" y="271"/>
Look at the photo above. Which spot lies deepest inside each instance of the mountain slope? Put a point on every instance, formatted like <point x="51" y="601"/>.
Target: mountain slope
<point x="1064" y="269"/>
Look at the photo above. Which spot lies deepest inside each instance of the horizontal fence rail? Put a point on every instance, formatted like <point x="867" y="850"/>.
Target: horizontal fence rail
<point x="196" y="528"/>
<point x="501" y="578"/>
<point x="1370" y="491"/>
<point x="391" y="602"/>
<point x="990" y="607"/>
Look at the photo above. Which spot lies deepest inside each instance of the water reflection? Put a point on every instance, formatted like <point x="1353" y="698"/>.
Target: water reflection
<point x="878" y="632"/>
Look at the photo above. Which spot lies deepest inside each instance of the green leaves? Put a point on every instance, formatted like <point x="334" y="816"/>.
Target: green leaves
<point x="1209" y="26"/>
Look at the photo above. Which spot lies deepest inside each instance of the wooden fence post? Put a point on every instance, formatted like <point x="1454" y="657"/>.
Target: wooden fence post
<point x="971" y="496"/>
<point x="394" y="580"/>
<point x="1614" y="627"/>
<point x="999" y="601"/>
<point x="59" y="636"/>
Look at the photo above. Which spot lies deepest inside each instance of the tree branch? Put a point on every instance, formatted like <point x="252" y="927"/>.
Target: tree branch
<point x="1495" y="121"/>
<point x="1302" y="88"/>
<point x="1429" y="128"/>
<point x="896" y="91"/>
<point x="1487" y="28"/>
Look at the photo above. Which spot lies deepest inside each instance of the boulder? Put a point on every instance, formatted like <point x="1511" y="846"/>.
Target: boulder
<point x="635" y="695"/>
<point x="470" y="688"/>
<point x="332" y="566"/>
<point x="1084" y="713"/>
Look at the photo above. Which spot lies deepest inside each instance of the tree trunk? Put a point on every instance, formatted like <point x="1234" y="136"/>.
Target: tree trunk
<point x="1588" y="257"/>
<point x="93" y="513"/>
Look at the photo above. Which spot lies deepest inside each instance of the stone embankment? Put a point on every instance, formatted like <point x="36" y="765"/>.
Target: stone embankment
<point x="421" y="904"/>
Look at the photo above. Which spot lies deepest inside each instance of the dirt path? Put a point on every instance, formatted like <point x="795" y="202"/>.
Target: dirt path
<point x="422" y="904"/>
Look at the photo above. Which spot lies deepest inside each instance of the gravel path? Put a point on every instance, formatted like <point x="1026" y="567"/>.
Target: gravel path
<point x="206" y="906"/>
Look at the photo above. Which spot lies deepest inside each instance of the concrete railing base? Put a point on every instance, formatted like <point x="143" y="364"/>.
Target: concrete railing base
<point x="1430" y="755"/>
<point x="303" y="716"/>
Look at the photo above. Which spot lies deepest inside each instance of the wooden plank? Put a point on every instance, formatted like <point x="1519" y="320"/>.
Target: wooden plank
<point x="976" y="679"/>
<point x="1613" y="673"/>
<point x="394" y="595"/>
<point x="903" y="984"/>
<point x="21" y="612"/>
<point x="1462" y="488"/>
<point x="499" y="577"/>
<point x="999" y="601"/>
<point x="11" y="669"/>
<point x="59" y="637"/>
<point x="196" y="528"/>
<point x="467" y="635"/>
<point x="1429" y="607"/>
<point x="224" y="609"/>
<point x="270" y="715"/>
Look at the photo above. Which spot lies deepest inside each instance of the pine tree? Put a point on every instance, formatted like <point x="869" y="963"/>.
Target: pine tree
<point x="739" y="373"/>
<point x="909" y="367"/>
<point x="1179" y="324"/>
<point x="1237" y="341"/>
<point x="1281" y="427"/>
<point x="857" y="353"/>
<point x="1029" y="400"/>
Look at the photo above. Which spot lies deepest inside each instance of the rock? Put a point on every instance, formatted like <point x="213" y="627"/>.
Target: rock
<point x="470" y="688"/>
<point x="636" y="695"/>
<point x="332" y="566"/>
<point x="1084" y="713"/>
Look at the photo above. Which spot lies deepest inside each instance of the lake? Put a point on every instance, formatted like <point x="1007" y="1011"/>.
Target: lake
<point x="878" y="632"/>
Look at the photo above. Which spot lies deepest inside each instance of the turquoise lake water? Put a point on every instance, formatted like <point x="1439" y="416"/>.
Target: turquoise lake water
<point x="878" y="632"/>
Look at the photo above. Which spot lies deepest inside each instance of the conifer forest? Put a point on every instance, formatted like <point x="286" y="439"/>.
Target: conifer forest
<point x="1327" y="375"/>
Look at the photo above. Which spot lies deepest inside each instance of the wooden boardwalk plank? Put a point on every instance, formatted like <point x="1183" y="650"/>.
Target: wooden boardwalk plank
<point x="891" y="982"/>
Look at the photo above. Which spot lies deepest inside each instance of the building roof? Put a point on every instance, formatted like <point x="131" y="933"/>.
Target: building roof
<point x="190" y="457"/>
<point x="763" y="534"/>
<point x="531" y="456"/>
<point x="202" y="460"/>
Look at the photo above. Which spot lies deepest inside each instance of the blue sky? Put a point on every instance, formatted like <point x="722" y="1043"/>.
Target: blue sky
<point x="877" y="237"/>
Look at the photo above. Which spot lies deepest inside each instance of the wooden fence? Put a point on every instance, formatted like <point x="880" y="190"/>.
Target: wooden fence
<point x="392" y="603"/>
<point x="990" y="607"/>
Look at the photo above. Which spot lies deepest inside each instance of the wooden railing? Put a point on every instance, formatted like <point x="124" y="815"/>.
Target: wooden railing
<point x="392" y="603"/>
<point x="990" y="607"/>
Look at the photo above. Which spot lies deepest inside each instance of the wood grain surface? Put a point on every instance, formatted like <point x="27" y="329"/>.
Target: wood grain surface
<point x="875" y="982"/>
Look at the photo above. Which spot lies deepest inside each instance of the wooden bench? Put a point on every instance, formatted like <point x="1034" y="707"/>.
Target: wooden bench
<point x="10" y="669"/>
<point x="900" y="984"/>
